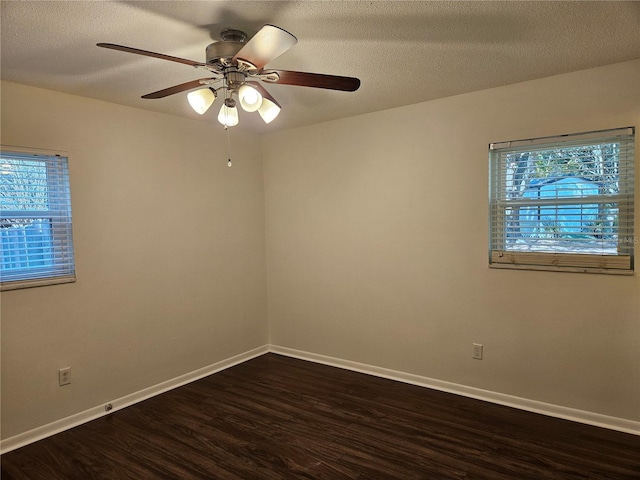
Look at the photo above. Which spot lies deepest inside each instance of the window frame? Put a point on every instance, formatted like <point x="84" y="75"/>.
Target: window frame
<point x="620" y="263"/>
<point x="59" y="215"/>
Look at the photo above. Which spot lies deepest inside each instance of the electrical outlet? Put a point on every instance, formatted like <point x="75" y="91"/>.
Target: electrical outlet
<point x="477" y="351"/>
<point x="64" y="376"/>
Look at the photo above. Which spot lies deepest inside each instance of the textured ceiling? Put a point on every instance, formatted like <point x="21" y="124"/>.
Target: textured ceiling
<point x="403" y="52"/>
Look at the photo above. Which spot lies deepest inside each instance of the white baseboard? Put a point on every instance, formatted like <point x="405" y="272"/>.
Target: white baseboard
<point x="581" y="416"/>
<point x="58" y="426"/>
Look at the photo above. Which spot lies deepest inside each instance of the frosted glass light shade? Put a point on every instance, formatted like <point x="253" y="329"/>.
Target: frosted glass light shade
<point x="268" y="110"/>
<point x="201" y="100"/>
<point x="228" y="115"/>
<point x="250" y="98"/>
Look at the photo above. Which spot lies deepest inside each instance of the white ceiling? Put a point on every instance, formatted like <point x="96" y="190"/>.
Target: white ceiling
<point x="403" y="52"/>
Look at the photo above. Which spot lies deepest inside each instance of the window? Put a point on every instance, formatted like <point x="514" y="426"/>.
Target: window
<point x="563" y="203"/>
<point x="35" y="220"/>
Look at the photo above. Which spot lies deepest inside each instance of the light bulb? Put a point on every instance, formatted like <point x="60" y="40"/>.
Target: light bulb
<point x="250" y="98"/>
<point x="269" y="110"/>
<point x="228" y="115"/>
<point x="201" y="100"/>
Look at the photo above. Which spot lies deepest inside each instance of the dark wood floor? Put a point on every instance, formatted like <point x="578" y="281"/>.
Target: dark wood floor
<point x="279" y="418"/>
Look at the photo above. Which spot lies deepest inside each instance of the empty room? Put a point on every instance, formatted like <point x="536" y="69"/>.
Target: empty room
<point x="319" y="239"/>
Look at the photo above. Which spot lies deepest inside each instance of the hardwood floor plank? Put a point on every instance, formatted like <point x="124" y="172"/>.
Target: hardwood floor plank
<point x="276" y="418"/>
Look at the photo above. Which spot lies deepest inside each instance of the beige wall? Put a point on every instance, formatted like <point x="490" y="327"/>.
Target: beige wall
<point x="377" y="248"/>
<point x="374" y="254"/>
<point x="170" y="256"/>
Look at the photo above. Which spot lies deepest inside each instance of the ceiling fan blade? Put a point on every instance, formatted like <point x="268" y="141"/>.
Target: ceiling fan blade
<point x="270" y="42"/>
<point x="177" y="89"/>
<point x="317" y="80"/>
<point x="161" y="56"/>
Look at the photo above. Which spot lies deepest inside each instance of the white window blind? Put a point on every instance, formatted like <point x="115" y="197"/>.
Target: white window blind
<point x="35" y="220"/>
<point x="563" y="203"/>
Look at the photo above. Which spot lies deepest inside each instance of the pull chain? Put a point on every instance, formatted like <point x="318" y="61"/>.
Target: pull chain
<point x="228" y="147"/>
<point x="226" y="127"/>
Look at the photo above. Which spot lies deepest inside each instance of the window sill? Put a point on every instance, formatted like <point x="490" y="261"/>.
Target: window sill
<point x="544" y="268"/>
<point x="42" y="282"/>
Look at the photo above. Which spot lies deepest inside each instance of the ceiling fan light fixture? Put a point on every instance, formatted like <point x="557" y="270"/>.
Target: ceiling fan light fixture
<point x="239" y="64"/>
<point x="228" y="115"/>
<point x="200" y="100"/>
<point x="269" y="110"/>
<point x="250" y="98"/>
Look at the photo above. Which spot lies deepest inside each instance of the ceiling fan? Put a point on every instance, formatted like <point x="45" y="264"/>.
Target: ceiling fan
<point x="238" y="68"/>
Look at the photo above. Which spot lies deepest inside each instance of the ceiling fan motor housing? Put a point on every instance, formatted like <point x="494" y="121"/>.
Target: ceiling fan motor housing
<point x="219" y="54"/>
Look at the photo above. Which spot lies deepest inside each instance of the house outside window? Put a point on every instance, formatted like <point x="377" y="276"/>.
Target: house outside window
<point x="35" y="220"/>
<point x="563" y="203"/>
